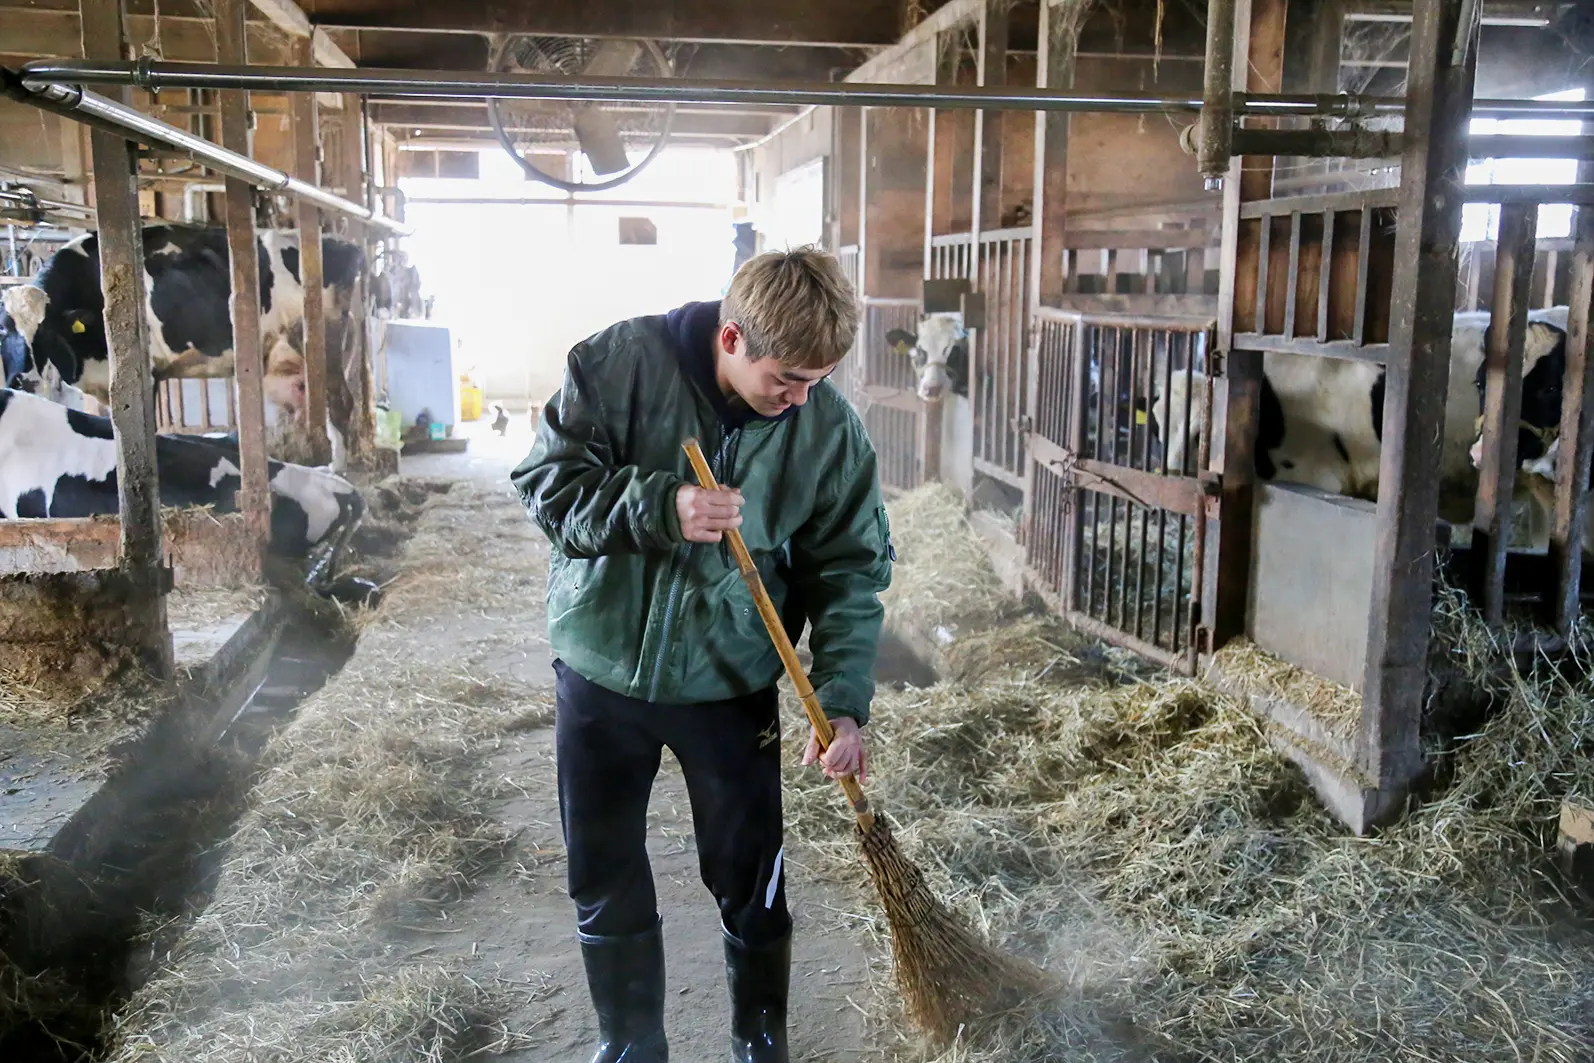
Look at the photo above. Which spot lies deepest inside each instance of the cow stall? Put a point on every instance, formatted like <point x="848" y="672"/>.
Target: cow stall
<point x="130" y="188"/>
<point x="1092" y="274"/>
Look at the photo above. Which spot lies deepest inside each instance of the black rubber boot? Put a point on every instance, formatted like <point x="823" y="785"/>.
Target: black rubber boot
<point x="625" y="976"/>
<point x="758" y="980"/>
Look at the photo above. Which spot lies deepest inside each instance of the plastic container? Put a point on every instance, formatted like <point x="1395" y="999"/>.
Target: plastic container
<point x="470" y="401"/>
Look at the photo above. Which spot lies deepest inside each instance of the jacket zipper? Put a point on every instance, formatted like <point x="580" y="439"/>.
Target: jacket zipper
<point x="677" y="576"/>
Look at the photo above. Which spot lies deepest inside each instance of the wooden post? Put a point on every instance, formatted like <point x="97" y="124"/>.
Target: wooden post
<point x="306" y="148"/>
<point x="992" y="70"/>
<point x="1577" y="430"/>
<point x="865" y="275"/>
<point x="1259" y="36"/>
<point x="121" y="240"/>
<point x="1055" y="70"/>
<point x="1502" y="408"/>
<point x="1433" y="168"/>
<point x="242" y="249"/>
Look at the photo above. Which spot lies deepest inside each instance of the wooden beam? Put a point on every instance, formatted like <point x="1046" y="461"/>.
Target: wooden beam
<point x="991" y="67"/>
<point x="1502" y="407"/>
<point x="239" y="210"/>
<point x="1577" y="430"/>
<point x="948" y="16"/>
<point x="290" y="19"/>
<point x="1055" y="70"/>
<point x="1258" y="36"/>
<point x="1433" y="167"/>
<point x="121" y="242"/>
<point x="849" y="23"/>
<point x="306" y="148"/>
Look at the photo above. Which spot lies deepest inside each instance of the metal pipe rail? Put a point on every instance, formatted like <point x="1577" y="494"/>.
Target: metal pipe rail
<point x="154" y="75"/>
<point x="24" y="200"/>
<point x="96" y="110"/>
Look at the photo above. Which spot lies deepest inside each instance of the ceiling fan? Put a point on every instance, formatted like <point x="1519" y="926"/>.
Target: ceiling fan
<point x="608" y="133"/>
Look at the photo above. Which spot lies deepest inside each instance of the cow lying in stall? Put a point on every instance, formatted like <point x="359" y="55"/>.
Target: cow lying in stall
<point x="60" y="462"/>
<point x="940" y="353"/>
<point x="52" y="332"/>
<point x="1321" y="419"/>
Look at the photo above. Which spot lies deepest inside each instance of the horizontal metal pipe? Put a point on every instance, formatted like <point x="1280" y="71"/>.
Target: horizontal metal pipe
<point x="28" y="201"/>
<point x="526" y="201"/>
<point x="134" y="124"/>
<point x="153" y="75"/>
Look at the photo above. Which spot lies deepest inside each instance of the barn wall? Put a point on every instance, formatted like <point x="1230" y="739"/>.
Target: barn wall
<point x="1117" y="161"/>
<point x="30" y="139"/>
<point x="809" y="138"/>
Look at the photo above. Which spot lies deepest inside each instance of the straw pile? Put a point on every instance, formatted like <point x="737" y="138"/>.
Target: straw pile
<point x="1139" y="834"/>
<point x="369" y="817"/>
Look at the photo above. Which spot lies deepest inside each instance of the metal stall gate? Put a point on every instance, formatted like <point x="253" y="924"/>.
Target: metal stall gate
<point x="887" y="393"/>
<point x="1117" y="505"/>
<point x="998" y="363"/>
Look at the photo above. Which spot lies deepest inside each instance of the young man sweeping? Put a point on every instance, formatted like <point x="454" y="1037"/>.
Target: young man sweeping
<point x="657" y="639"/>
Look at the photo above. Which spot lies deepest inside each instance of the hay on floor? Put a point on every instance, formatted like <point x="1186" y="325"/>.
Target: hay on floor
<point x="369" y="816"/>
<point x="1141" y="835"/>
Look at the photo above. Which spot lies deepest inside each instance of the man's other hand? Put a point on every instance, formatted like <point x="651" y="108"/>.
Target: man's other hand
<point x="707" y="515"/>
<point x="846" y="755"/>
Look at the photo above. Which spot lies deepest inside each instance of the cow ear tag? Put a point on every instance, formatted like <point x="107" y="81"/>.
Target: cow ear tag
<point x="1140" y="417"/>
<point x="79" y="328"/>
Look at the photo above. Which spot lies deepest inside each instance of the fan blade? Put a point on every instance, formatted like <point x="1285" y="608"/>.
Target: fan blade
<point x="599" y="136"/>
<point x="596" y="130"/>
<point x="614" y="57"/>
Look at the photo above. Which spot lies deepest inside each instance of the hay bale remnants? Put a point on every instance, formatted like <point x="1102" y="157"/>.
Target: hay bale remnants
<point x="369" y="817"/>
<point x="1140" y="834"/>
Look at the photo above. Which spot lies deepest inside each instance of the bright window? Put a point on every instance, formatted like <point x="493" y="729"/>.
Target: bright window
<point x="1481" y="221"/>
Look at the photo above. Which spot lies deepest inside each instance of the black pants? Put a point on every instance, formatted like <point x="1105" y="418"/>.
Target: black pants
<point x="608" y="749"/>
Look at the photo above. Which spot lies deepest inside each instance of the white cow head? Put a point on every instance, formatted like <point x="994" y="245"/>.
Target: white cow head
<point x="940" y="353"/>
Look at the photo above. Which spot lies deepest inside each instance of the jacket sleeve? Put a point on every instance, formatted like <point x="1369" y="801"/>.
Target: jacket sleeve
<point x="841" y="560"/>
<point x="571" y="484"/>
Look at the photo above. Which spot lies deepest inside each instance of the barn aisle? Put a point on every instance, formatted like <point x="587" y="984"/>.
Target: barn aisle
<point x="518" y="922"/>
<point x="398" y="882"/>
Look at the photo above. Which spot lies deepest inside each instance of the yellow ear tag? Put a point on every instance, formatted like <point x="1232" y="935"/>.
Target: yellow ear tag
<point x="79" y="328"/>
<point x="1140" y="417"/>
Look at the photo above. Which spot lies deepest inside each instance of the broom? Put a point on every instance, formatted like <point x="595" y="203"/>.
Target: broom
<point x="947" y="973"/>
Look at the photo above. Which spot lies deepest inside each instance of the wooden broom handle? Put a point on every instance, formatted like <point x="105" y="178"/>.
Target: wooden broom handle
<point x="777" y="632"/>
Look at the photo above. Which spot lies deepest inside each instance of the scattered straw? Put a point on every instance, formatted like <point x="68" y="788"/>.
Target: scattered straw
<point x="370" y="816"/>
<point x="1143" y="838"/>
<point x="1258" y="674"/>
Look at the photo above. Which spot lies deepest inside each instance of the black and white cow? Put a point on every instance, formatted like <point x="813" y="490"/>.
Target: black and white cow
<point x="940" y="353"/>
<point x="55" y="326"/>
<point x="60" y="462"/>
<point x="1322" y="419"/>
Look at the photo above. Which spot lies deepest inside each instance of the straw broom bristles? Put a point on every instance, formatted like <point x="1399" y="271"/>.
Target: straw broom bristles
<point x="947" y="973"/>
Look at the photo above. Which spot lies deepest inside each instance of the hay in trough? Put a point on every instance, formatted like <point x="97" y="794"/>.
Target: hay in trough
<point x="1257" y="674"/>
<point x="369" y="816"/>
<point x="942" y="580"/>
<point x="1140" y="835"/>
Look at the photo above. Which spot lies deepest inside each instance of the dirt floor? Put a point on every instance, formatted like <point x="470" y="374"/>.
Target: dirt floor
<point x="517" y="923"/>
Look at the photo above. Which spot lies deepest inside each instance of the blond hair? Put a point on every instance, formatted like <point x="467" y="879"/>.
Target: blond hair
<point x="796" y="306"/>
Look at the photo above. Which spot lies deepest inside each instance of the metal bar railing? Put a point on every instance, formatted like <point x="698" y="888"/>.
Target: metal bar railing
<point x="152" y="74"/>
<point x="96" y="110"/>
